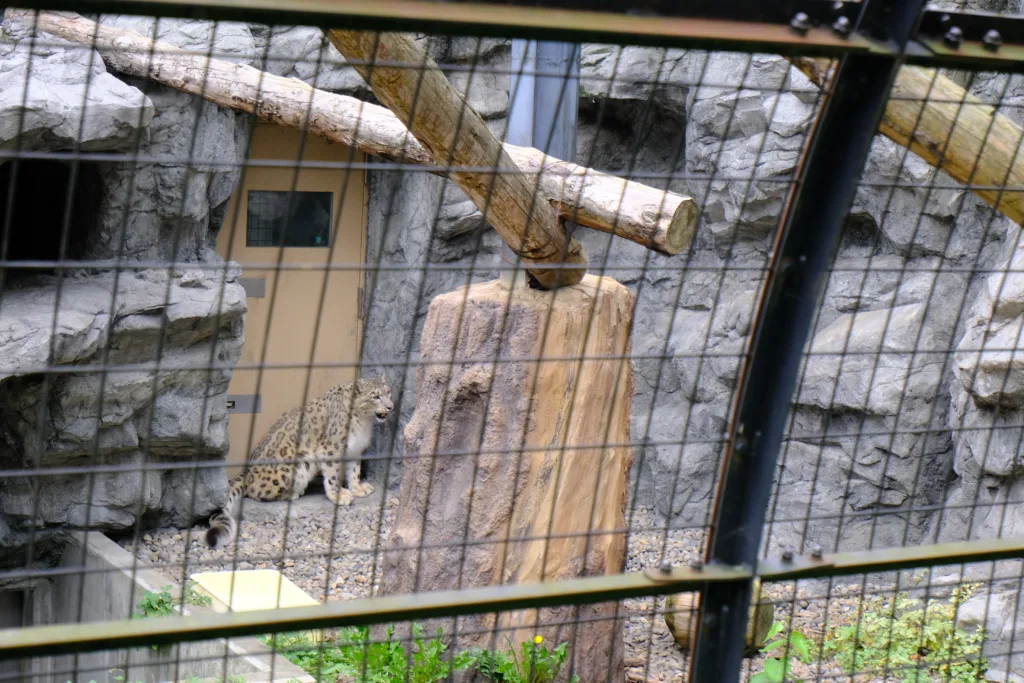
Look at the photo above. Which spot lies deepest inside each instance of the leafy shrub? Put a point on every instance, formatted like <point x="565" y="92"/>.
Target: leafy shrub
<point x="908" y="639"/>
<point x="776" y="669"/>
<point x="534" y="665"/>
<point x="354" y="655"/>
<point x="158" y="604"/>
<point x="161" y="603"/>
<point x="383" y="661"/>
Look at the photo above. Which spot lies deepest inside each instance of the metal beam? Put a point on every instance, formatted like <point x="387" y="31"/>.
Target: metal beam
<point x="972" y="26"/>
<point x="969" y="40"/>
<point x="805" y="245"/>
<point x="111" y="635"/>
<point x="725" y="25"/>
<point x="96" y="637"/>
<point x="810" y="566"/>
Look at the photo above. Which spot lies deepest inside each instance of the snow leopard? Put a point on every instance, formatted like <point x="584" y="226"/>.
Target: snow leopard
<point x="303" y="442"/>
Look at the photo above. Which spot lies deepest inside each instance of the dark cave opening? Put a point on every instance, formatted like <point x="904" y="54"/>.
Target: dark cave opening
<point x="37" y="198"/>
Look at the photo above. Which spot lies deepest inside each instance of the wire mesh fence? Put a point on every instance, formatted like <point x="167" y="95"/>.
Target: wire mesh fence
<point x="409" y="356"/>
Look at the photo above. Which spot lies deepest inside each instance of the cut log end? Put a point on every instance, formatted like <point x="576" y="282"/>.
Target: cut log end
<point x="681" y="229"/>
<point x="553" y="278"/>
<point x="681" y="614"/>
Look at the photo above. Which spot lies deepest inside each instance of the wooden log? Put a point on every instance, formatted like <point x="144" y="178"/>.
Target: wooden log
<point x="526" y="501"/>
<point x="662" y="221"/>
<point x="659" y="220"/>
<point x="937" y="119"/>
<point x="411" y="85"/>
<point x="681" y="615"/>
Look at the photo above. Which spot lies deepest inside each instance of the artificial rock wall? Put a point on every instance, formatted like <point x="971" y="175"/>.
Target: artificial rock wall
<point x="901" y="280"/>
<point x="60" y="98"/>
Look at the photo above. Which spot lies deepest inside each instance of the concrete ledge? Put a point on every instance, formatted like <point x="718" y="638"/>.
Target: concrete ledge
<point x="109" y="586"/>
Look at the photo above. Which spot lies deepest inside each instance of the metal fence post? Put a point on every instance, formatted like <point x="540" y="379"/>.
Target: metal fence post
<point x="817" y="210"/>
<point x="544" y="89"/>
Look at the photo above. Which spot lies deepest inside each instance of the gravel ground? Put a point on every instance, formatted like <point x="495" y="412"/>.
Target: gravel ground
<point x="301" y="534"/>
<point x="294" y="539"/>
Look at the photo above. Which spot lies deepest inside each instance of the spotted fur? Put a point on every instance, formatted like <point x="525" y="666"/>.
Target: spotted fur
<point x="304" y="442"/>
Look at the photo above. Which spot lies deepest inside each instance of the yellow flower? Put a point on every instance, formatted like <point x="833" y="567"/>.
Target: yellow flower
<point x="538" y="640"/>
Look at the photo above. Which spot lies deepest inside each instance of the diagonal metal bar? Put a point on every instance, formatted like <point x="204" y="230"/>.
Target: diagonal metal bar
<point x="804" y="248"/>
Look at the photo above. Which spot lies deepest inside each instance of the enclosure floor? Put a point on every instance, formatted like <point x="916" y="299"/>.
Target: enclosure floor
<point x="300" y="532"/>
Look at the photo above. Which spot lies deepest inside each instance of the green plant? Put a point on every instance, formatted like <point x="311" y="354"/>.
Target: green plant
<point x="776" y="669"/>
<point x="194" y="597"/>
<point x="354" y="655"/>
<point x="194" y="679"/>
<point x="908" y="638"/>
<point x="155" y="604"/>
<point x="534" y="665"/>
<point x="322" y="661"/>
<point x="161" y="603"/>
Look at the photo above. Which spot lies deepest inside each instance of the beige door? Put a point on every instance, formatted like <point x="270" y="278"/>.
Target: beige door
<point x="296" y="317"/>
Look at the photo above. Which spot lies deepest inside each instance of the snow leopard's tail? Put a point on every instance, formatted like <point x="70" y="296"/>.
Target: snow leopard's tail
<point x="223" y="525"/>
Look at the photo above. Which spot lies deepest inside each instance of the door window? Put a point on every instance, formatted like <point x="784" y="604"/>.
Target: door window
<point x="288" y="219"/>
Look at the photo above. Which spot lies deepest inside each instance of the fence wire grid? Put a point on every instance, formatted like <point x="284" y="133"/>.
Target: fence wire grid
<point x="333" y="354"/>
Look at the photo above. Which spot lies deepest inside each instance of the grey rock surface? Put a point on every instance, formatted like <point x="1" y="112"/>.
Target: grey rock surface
<point x="746" y="126"/>
<point x="987" y="409"/>
<point x="635" y="73"/>
<point x="303" y="52"/>
<point x="127" y="420"/>
<point x="166" y="206"/>
<point x="140" y="421"/>
<point x="882" y="435"/>
<point x="56" y="96"/>
<point x="901" y="280"/>
<point x="866" y="388"/>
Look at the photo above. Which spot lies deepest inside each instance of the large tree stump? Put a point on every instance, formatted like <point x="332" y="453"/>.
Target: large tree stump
<point x="506" y="479"/>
